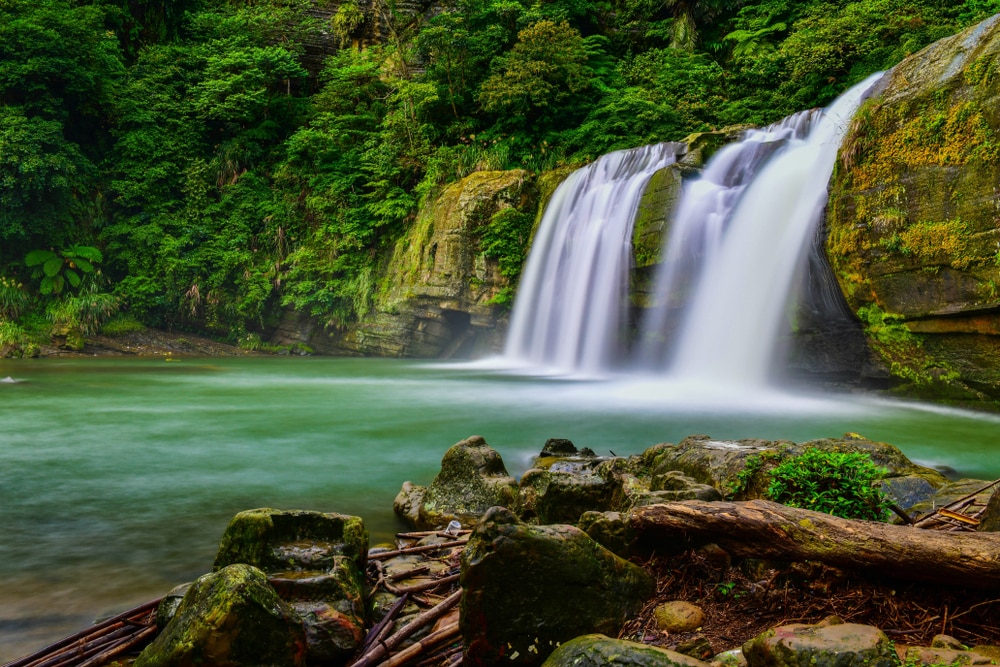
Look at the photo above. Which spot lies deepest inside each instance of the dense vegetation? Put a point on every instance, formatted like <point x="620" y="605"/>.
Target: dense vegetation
<point x="202" y="164"/>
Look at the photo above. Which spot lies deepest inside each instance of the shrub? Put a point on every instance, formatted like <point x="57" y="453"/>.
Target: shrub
<point x="845" y="484"/>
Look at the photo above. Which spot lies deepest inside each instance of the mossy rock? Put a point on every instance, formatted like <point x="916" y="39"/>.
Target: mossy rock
<point x="281" y="540"/>
<point x="821" y="645"/>
<point x="912" y="232"/>
<point x="596" y="650"/>
<point x="472" y="479"/>
<point x="227" y="618"/>
<point x="554" y="496"/>
<point x="609" y="529"/>
<point x="530" y="588"/>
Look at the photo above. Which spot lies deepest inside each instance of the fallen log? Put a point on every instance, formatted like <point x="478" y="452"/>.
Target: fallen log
<point x="764" y="529"/>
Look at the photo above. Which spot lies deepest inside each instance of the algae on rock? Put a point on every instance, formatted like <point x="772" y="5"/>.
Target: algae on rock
<point x="913" y="236"/>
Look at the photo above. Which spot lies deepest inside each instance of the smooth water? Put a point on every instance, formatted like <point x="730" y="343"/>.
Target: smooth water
<point x="118" y="476"/>
<point x="741" y="301"/>
<point x="571" y="306"/>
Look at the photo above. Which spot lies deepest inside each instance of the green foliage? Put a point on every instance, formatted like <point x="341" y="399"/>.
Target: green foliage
<point x="86" y="311"/>
<point x="225" y="175"/>
<point x="13" y="299"/>
<point x="845" y="484"/>
<point x="68" y="267"/>
<point x="121" y="325"/>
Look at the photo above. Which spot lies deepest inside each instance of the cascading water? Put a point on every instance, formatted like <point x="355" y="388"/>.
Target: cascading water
<point x="735" y="244"/>
<point x="698" y="226"/>
<point x="571" y="306"/>
<point x="739" y="304"/>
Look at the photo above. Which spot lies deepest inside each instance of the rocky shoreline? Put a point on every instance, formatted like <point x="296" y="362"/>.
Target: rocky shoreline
<point x="560" y="568"/>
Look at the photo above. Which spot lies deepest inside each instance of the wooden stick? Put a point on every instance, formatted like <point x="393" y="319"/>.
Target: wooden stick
<point x="416" y="550"/>
<point x="427" y="585"/>
<point x="428" y="533"/>
<point x="952" y="505"/>
<point x="28" y="659"/>
<point x="380" y="629"/>
<point x="121" y="647"/>
<point x="382" y="649"/>
<point x="423" y="569"/>
<point x="415" y="649"/>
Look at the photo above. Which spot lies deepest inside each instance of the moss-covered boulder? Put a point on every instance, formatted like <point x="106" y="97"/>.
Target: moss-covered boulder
<point x="316" y="563"/>
<point x="228" y="618"/>
<point x="529" y="588"/>
<point x="472" y="479"/>
<point x="912" y="217"/>
<point x="596" y="650"/>
<point x="278" y="540"/>
<point x="719" y="463"/>
<point x="609" y="529"/>
<point x="821" y="645"/>
<point x="562" y="496"/>
<point x="921" y="655"/>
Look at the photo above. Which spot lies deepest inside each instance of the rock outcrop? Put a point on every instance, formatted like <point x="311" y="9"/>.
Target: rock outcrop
<point x="229" y="617"/>
<point x="913" y="233"/>
<point x="596" y="650"/>
<point x="443" y="291"/>
<point x="529" y="588"/>
<point x="829" y="644"/>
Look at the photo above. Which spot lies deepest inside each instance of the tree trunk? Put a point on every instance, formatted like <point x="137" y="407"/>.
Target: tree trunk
<point x="763" y="529"/>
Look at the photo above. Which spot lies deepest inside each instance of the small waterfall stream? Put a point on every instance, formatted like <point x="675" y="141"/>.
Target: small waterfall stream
<point x="571" y="306"/>
<point x="740" y="234"/>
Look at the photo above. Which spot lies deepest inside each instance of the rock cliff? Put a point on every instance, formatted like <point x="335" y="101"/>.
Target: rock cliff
<point x="913" y="230"/>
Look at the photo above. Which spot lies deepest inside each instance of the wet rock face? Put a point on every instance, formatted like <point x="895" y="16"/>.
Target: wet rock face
<point x="821" y="645"/>
<point x="529" y="588"/>
<point x="596" y="650"/>
<point x="912" y="216"/>
<point x="315" y="561"/>
<point x="437" y="297"/>
<point x="472" y="479"/>
<point x="229" y="617"/>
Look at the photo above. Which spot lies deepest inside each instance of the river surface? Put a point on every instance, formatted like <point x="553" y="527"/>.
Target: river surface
<point x="118" y="476"/>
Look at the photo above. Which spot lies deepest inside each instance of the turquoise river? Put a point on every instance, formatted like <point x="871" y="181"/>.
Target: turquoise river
<point x="118" y="476"/>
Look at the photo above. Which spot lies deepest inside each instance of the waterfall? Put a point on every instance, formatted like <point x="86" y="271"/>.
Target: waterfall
<point x="572" y="303"/>
<point x="699" y="224"/>
<point x="738" y="306"/>
<point x="739" y="234"/>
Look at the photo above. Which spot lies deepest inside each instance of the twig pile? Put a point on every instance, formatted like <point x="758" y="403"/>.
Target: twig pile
<point x="100" y="643"/>
<point x="384" y="645"/>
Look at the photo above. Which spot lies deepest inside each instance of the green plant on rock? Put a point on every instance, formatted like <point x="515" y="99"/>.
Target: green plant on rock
<point x="69" y="266"/>
<point x="753" y="479"/>
<point x="845" y="484"/>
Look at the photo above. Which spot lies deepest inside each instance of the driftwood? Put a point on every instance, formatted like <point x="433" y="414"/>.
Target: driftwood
<point x="384" y="555"/>
<point x="97" y="644"/>
<point x="449" y="631"/>
<point x="763" y="529"/>
<point x="381" y="650"/>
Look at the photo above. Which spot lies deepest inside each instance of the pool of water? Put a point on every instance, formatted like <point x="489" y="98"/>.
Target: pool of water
<point x="118" y="476"/>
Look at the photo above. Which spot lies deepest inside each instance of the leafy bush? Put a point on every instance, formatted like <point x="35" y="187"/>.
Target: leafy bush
<point x="845" y="484"/>
<point x="13" y="299"/>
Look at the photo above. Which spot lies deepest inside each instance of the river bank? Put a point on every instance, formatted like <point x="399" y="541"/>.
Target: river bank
<point x="120" y="473"/>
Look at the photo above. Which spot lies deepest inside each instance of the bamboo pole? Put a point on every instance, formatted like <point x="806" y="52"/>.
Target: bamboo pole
<point x="415" y="649"/>
<point x="416" y="550"/>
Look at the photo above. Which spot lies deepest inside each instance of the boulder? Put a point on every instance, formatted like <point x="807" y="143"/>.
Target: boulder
<point x="562" y="496"/>
<point x="952" y="492"/>
<point x="529" y="588"/>
<point x="316" y="563"/>
<point x="921" y="655"/>
<point x="278" y="540"/>
<point x="821" y="645"/>
<point x="912" y="235"/>
<point x="596" y="650"/>
<point x="472" y="479"/>
<point x="609" y="529"/>
<point x="229" y="617"/>
<point x="678" y="616"/>
<point x="990" y="520"/>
